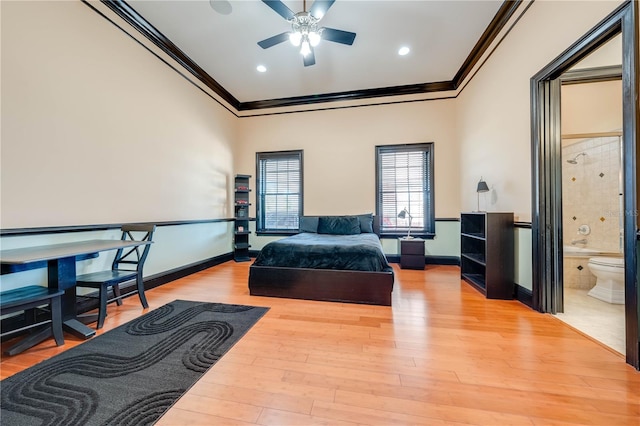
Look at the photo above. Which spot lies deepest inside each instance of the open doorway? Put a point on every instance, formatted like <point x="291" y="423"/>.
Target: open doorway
<point x="592" y="196"/>
<point x="547" y="215"/>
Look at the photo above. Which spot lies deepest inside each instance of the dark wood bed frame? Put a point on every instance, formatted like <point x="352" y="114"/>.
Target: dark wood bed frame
<point x="331" y="285"/>
<point x="372" y="288"/>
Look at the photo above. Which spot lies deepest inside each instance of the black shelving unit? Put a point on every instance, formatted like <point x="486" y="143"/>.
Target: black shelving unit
<point x="486" y="253"/>
<point x="241" y="215"/>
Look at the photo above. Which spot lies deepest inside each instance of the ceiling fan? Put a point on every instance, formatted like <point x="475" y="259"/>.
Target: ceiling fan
<point x="305" y="31"/>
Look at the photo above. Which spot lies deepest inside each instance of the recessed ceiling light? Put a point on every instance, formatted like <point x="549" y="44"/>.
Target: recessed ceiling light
<point x="403" y="51"/>
<point x="261" y="68"/>
<point x="223" y="7"/>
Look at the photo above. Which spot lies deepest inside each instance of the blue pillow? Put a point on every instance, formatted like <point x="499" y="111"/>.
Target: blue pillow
<point x="309" y="224"/>
<point x="366" y="223"/>
<point x="339" y="225"/>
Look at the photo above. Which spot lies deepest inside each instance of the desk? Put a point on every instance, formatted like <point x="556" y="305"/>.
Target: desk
<point x="61" y="269"/>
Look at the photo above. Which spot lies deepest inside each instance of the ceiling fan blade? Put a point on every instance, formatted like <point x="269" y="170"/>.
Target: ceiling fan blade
<point x="320" y="7"/>
<point x="310" y="59"/>
<point x="280" y="8"/>
<point x="338" y="36"/>
<point x="272" y="41"/>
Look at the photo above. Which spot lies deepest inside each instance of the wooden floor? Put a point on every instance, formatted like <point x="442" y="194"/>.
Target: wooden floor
<point x="441" y="355"/>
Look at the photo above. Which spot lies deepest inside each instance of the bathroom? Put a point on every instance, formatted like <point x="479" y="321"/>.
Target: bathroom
<point x="592" y="235"/>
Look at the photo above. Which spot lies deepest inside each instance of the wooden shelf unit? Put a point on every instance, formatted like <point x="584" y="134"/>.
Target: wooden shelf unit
<point x="241" y="215"/>
<point x="487" y="253"/>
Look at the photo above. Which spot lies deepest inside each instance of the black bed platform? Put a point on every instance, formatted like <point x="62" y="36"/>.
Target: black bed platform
<point x="372" y="288"/>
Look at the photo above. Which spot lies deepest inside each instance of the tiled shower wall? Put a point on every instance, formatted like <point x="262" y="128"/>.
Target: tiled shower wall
<point x="591" y="196"/>
<point x="591" y="193"/>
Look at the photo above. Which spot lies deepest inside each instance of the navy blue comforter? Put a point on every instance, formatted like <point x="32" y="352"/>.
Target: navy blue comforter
<point x="360" y="252"/>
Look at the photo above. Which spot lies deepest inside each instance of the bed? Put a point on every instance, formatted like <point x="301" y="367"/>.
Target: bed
<point x="333" y="258"/>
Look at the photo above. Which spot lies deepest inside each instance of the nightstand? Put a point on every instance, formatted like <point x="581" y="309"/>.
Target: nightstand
<point x="411" y="253"/>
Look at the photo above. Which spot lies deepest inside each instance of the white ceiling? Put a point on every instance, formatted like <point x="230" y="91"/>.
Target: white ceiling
<point x="441" y="35"/>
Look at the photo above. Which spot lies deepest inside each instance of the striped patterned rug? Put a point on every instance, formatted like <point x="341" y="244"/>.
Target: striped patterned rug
<point x="129" y="375"/>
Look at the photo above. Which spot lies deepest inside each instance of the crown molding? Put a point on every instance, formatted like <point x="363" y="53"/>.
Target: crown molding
<point x="499" y="21"/>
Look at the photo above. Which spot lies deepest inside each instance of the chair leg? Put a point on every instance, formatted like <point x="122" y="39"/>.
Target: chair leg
<point x="116" y="293"/>
<point x="56" y="321"/>
<point x="29" y="342"/>
<point x="143" y="298"/>
<point x="102" y="310"/>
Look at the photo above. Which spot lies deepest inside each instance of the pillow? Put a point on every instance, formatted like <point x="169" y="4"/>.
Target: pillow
<point x="309" y="224"/>
<point x="366" y="223"/>
<point x="339" y="225"/>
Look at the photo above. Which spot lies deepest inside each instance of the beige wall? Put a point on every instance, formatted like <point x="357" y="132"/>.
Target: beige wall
<point x="494" y="109"/>
<point x="173" y="247"/>
<point x="95" y="129"/>
<point x="609" y="54"/>
<point x="339" y="151"/>
<point x="591" y="108"/>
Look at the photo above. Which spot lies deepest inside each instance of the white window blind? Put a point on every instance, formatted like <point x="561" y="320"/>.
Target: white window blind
<point x="405" y="180"/>
<point x="279" y="186"/>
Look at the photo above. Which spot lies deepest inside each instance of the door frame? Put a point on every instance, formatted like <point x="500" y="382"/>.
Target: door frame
<point x="546" y="168"/>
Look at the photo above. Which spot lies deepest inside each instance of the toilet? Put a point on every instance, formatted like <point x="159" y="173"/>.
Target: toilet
<point x="609" y="272"/>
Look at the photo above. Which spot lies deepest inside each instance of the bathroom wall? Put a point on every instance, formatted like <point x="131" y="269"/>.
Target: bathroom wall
<point x="590" y="196"/>
<point x="591" y="193"/>
<point x="576" y="273"/>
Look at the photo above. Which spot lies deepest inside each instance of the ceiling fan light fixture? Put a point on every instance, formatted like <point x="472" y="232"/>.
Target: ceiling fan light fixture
<point x="295" y="38"/>
<point x="305" y="32"/>
<point x="305" y="49"/>
<point x="314" y="38"/>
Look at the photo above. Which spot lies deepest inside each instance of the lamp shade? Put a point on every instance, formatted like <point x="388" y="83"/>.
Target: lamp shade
<point x="402" y="214"/>
<point x="482" y="186"/>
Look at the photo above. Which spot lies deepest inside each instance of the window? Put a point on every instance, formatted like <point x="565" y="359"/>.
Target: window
<point x="279" y="191"/>
<point x="404" y="179"/>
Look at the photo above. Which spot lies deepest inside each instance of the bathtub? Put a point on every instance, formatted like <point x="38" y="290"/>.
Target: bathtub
<point x="584" y="252"/>
<point x="576" y="273"/>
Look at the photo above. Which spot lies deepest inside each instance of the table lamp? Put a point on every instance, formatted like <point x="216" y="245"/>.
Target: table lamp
<point x="402" y="215"/>
<point x="482" y="187"/>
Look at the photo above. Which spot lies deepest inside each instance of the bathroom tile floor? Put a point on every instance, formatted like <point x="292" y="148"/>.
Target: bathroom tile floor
<point x="601" y="320"/>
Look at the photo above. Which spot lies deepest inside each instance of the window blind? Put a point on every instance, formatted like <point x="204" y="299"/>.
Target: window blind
<point x="279" y="189"/>
<point x="405" y="180"/>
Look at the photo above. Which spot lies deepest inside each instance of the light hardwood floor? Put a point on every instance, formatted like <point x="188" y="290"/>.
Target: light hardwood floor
<point x="442" y="354"/>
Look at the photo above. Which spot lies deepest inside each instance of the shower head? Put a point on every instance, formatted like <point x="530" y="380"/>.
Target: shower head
<point x="574" y="160"/>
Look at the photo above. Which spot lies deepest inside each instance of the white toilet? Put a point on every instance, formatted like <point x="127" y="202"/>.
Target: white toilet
<point x="609" y="272"/>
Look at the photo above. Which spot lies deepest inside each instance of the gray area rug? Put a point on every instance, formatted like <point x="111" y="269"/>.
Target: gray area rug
<point x="130" y="375"/>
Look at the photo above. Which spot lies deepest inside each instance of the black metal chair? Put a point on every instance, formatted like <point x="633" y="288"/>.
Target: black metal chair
<point x="127" y="266"/>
